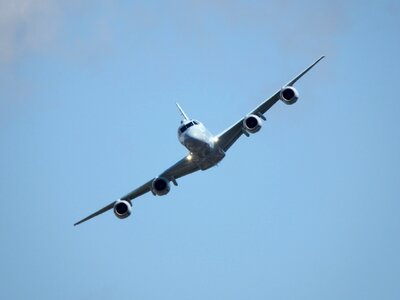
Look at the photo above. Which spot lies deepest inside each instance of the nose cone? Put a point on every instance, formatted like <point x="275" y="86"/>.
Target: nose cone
<point x="194" y="140"/>
<point x="194" y="134"/>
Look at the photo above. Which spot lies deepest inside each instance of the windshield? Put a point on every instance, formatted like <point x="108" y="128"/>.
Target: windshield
<point x="184" y="127"/>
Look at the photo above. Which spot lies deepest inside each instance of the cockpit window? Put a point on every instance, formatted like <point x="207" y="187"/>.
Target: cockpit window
<point x="184" y="127"/>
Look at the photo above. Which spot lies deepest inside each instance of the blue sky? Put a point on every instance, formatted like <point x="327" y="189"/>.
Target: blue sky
<point x="308" y="208"/>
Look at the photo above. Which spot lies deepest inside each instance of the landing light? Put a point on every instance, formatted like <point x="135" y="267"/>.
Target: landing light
<point x="215" y="139"/>
<point x="189" y="157"/>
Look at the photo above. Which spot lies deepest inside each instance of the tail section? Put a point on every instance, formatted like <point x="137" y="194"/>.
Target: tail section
<point x="184" y="116"/>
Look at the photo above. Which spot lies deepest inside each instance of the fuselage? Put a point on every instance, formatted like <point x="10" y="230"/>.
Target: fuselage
<point x="202" y="145"/>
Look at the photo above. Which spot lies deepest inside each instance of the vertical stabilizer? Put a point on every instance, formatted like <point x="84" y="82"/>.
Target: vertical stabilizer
<point x="184" y="116"/>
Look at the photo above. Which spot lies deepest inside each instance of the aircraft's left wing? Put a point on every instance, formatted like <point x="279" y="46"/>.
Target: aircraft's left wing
<point x="230" y="135"/>
<point x="180" y="169"/>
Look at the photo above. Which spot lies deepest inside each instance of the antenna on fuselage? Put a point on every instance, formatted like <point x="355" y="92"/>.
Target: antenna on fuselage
<point x="185" y="117"/>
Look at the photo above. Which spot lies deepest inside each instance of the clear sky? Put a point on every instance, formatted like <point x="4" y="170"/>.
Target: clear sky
<point x="308" y="208"/>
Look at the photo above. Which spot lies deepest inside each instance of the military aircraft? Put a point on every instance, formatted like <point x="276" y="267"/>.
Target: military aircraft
<point x="205" y="149"/>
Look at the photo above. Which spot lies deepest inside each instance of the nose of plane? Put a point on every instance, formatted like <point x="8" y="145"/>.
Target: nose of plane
<point x="193" y="134"/>
<point x="193" y="139"/>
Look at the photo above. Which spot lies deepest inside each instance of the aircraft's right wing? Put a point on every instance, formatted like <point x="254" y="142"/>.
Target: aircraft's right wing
<point x="230" y="135"/>
<point x="180" y="169"/>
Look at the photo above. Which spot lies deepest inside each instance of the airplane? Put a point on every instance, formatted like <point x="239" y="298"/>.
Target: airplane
<point x="205" y="149"/>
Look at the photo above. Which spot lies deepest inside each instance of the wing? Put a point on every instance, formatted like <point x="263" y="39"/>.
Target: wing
<point x="180" y="169"/>
<point x="229" y="136"/>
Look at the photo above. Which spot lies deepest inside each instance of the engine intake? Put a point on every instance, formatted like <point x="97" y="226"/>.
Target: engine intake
<point x="122" y="209"/>
<point x="160" y="186"/>
<point x="252" y="123"/>
<point x="289" y="95"/>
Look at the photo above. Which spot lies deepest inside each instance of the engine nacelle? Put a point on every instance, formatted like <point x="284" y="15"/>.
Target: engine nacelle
<point x="252" y="123"/>
<point x="160" y="186"/>
<point x="122" y="209"/>
<point x="289" y="95"/>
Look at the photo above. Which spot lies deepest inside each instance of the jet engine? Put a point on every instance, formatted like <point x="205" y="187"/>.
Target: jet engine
<point x="289" y="95"/>
<point x="252" y="123"/>
<point x="160" y="186"/>
<point x="122" y="209"/>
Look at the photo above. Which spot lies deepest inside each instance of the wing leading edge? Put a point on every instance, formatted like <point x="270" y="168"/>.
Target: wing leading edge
<point x="180" y="169"/>
<point x="229" y="136"/>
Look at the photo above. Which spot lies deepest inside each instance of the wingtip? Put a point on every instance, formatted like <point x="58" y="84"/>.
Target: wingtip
<point x="318" y="60"/>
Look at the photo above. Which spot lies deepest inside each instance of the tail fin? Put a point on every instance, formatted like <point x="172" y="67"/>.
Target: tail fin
<point x="184" y="116"/>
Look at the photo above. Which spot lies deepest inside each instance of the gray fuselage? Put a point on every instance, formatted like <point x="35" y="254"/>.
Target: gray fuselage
<point x="202" y="145"/>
